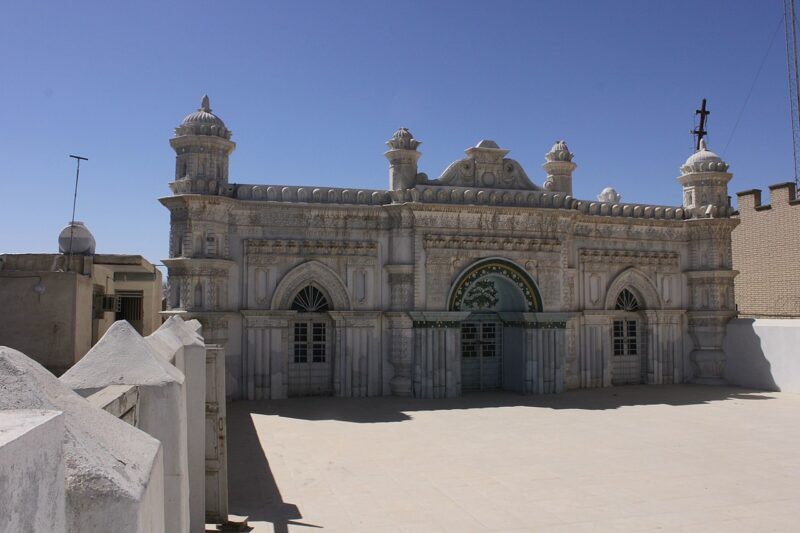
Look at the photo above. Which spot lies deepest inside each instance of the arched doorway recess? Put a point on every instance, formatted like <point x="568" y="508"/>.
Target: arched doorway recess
<point x="310" y="354"/>
<point x="492" y="349"/>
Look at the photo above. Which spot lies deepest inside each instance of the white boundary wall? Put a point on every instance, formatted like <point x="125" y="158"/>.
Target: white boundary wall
<point x="763" y="353"/>
<point x="32" y="494"/>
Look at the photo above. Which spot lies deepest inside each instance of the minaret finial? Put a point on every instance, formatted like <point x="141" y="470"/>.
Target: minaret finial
<point x="205" y="105"/>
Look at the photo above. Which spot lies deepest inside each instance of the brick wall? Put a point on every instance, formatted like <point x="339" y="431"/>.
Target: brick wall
<point x="766" y="252"/>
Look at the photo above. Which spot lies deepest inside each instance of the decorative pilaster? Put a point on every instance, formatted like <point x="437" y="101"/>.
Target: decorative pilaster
<point x="437" y="354"/>
<point x="401" y="353"/>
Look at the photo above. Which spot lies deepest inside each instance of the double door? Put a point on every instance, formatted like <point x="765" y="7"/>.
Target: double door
<point x="481" y="356"/>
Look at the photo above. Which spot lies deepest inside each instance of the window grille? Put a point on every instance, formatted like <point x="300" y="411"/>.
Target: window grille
<point x="310" y="300"/>
<point x="315" y="344"/>
<point x="626" y="301"/>
<point x="625" y="337"/>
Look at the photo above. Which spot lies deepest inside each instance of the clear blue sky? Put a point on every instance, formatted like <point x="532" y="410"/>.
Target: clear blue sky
<point x="312" y="90"/>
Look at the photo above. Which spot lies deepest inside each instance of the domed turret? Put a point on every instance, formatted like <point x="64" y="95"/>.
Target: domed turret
<point x="76" y="239"/>
<point x="402" y="156"/>
<point x="559" y="167"/>
<point x="704" y="160"/>
<point x="202" y="145"/>
<point x="203" y="122"/>
<point x="705" y="178"/>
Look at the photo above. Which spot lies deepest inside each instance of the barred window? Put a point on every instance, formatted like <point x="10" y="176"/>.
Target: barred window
<point x="310" y="339"/>
<point x="625" y="338"/>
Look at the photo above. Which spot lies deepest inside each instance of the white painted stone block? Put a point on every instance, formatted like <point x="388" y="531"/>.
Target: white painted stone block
<point x="122" y="357"/>
<point x="32" y="495"/>
<point x="184" y="340"/>
<point x="113" y="471"/>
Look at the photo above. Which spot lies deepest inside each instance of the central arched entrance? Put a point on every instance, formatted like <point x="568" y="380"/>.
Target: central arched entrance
<point x="491" y="347"/>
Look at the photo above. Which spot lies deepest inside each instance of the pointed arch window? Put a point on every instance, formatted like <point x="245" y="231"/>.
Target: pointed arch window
<point x="310" y="300"/>
<point x="627" y="301"/>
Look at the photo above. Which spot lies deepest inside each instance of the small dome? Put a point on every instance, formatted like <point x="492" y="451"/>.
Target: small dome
<point x="79" y="237"/>
<point x="609" y="195"/>
<point x="403" y="140"/>
<point x="704" y="160"/>
<point x="559" y="152"/>
<point x="203" y="122"/>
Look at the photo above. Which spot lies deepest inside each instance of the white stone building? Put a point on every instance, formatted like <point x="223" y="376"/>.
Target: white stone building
<point x="479" y="279"/>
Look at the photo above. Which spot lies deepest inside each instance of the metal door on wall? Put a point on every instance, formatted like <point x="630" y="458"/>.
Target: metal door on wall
<point x="310" y="368"/>
<point x="481" y="356"/>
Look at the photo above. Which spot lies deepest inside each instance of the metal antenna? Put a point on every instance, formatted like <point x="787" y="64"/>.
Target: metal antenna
<point x="78" y="160"/>
<point x="701" y="131"/>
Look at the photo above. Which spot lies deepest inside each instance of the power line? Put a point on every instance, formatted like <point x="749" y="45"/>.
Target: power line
<point x="753" y="85"/>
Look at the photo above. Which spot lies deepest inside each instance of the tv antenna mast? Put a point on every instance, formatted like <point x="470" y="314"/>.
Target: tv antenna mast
<point x="78" y="160"/>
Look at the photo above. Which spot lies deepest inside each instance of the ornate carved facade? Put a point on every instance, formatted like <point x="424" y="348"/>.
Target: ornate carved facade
<point x="479" y="279"/>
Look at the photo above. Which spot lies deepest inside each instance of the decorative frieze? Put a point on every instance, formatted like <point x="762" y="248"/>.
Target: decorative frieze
<point x="490" y="243"/>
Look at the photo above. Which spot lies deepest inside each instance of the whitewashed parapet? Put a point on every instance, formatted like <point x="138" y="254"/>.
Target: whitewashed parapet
<point x="113" y="472"/>
<point x="123" y="357"/>
<point x="181" y="343"/>
<point x="429" y="194"/>
<point x="121" y="401"/>
<point x="319" y="195"/>
<point x="32" y="494"/>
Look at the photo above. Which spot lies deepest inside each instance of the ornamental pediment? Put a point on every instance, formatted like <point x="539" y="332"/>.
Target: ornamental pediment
<point x="485" y="167"/>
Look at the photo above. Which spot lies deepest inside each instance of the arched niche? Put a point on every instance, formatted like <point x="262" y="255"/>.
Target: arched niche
<point x="638" y="284"/>
<point x="316" y="274"/>
<point x="494" y="284"/>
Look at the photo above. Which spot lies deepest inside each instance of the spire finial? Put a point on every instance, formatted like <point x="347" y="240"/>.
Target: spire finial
<point x="703" y="145"/>
<point x="205" y="105"/>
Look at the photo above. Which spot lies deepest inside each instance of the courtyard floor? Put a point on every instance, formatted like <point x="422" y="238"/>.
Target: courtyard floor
<point x="670" y="458"/>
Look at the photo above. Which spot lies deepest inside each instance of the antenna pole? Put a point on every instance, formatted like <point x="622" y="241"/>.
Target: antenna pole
<point x="78" y="160"/>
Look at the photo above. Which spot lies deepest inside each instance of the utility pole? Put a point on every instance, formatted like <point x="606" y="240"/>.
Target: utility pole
<point x="78" y="160"/>
<point x="701" y="131"/>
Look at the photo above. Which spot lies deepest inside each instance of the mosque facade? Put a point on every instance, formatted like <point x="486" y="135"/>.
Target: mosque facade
<point x="477" y="280"/>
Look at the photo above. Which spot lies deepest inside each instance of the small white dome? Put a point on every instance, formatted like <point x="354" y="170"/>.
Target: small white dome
<point x="704" y="160"/>
<point x="82" y="239"/>
<point x="609" y="195"/>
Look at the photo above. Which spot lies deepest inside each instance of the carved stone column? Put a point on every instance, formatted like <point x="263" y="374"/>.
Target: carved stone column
<point x="712" y="308"/>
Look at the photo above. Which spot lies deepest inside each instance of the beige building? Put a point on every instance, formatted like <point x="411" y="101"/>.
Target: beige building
<point x="56" y="306"/>
<point x="479" y="279"/>
<point x="766" y="253"/>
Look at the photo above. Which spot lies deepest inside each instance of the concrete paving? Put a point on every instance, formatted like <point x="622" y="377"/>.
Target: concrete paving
<point x="669" y="458"/>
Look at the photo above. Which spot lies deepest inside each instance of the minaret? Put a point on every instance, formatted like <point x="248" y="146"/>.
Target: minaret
<point x="559" y="167"/>
<point x="705" y="178"/>
<point x="402" y="156"/>
<point x="202" y="145"/>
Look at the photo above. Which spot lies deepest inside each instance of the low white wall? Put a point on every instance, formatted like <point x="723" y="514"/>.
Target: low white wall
<point x="32" y="494"/>
<point x="114" y="473"/>
<point x="181" y="343"/>
<point x="763" y="353"/>
<point x="122" y="357"/>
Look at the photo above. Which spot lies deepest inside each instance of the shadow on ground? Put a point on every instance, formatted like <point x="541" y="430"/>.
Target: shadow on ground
<point x="253" y="491"/>
<point x="393" y="409"/>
